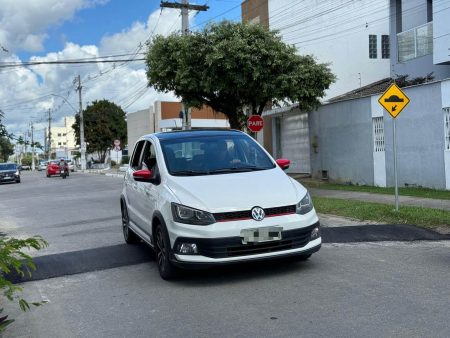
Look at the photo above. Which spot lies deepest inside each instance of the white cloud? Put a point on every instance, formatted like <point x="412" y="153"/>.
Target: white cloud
<point x="23" y="89"/>
<point x="23" y="22"/>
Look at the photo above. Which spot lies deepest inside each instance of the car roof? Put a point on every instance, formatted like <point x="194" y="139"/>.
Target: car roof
<point x="171" y="135"/>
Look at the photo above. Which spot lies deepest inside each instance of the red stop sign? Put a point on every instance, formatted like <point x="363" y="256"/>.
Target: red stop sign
<point x="255" y="123"/>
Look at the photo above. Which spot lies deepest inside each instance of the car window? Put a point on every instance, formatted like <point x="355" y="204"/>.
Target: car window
<point x="213" y="155"/>
<point x="135" y="161"/>
<point x="148" y="160"/>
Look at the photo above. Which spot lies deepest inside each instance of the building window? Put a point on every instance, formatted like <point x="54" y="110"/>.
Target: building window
<point x="59" y="143"/>
<point x="372" y="46"/>
<point x="447" y="127"/>
<point x="59" y="134"/>
<point x="415" y="42"/>
<point x="64" y="143"/>
<point x="378" y="134"/>
<point x="385" y="50"/>
<point x="64" y="134"/>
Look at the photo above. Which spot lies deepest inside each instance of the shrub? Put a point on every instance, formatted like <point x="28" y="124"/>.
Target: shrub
<point x="12" y="259"/>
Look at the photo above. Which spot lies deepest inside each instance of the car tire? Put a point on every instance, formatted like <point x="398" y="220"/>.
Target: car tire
<point x="128" y="234"/>
<point x="48" y="175"/>
<point x="166" y="269"/>
<point x="17" y="181"/>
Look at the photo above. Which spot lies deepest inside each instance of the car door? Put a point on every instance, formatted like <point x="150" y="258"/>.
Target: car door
<point x="147" y="192"/>
<point x="131" y="187"/>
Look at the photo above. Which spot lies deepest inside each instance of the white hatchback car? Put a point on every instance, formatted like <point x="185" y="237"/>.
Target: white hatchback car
<point x="209" y="197"/>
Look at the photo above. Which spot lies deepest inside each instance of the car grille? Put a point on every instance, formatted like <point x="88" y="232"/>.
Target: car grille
<point x="247" y="214"/>
<point x="233" y="247"/>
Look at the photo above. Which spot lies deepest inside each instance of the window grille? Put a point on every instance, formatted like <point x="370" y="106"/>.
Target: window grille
<point x="447" y="127"/>
<point x="385" y="50"/>
<point x="372" y="46"/>
<point x="378" y="134"/>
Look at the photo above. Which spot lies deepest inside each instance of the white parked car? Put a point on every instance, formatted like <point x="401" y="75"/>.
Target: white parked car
<point x="201" y="198"/>
<point x="42" y="165"/>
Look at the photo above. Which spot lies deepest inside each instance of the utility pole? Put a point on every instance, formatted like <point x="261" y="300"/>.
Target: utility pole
<point x="49" y="144"/>
<point x="82" y="143"/>
<point x="33" y="167"/>
<point x="185" y="7"/>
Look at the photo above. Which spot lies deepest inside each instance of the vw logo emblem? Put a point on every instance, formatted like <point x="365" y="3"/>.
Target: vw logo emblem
<point x="258" y="213"/>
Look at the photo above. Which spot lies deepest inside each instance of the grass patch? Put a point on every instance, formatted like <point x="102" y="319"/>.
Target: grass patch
<point x="410" y="191"/>
<point x="383" y="213"/>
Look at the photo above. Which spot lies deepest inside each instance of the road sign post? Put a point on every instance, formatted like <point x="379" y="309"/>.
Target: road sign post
<point x="394" y="101"/>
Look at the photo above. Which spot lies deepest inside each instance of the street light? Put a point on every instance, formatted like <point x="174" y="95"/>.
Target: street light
<point x="82" y="143"/>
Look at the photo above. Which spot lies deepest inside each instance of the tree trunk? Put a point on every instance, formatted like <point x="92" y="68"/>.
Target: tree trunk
<point x="233" y="119"/>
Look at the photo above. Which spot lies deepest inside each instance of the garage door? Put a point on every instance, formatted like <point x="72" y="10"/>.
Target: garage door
<point x="294" y="141"/>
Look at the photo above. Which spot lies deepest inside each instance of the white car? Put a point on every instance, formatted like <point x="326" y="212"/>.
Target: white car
<point x="201" y="198"/>
<point x="42" y="165"/>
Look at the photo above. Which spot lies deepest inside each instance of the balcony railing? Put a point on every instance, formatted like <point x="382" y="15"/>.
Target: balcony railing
<point x="415" y="42"/>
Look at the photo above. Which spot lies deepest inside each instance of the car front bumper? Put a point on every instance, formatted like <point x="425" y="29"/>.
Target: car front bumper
<point x="227" y="250"/>
<point x="9" y="178"/>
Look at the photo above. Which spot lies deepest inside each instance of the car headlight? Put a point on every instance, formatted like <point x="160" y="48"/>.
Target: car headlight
<point x="183" y="214"/>
<point x="305" y="205"/>
<point x="17" y="173"/>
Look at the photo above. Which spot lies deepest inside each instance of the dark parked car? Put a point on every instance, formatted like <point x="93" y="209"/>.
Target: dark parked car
<point x="9" y="172"/>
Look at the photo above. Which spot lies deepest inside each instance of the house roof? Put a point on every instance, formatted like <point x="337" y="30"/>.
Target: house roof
<point x="371" y="89"/>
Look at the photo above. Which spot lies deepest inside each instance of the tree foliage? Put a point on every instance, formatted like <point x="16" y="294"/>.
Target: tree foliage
<point x="13" y="259"/>
<point x="104" y="122"/>
<point x="231" y="66"/>
<point x="6" y="148"/>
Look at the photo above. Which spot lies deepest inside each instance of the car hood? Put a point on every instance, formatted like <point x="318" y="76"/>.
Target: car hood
<point x="237" y="191"/>
<point x="9" y="171"/>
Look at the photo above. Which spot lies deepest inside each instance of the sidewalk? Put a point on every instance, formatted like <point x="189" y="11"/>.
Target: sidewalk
<point x="381" y="198"/>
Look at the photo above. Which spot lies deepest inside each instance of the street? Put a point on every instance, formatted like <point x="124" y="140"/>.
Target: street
<point x="105" y="288"/>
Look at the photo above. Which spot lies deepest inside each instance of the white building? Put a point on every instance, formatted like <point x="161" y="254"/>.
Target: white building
<point x="352" y="36"/>
<point x="63" y="137"/>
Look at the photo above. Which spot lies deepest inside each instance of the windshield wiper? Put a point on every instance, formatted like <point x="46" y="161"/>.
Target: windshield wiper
<point x="236" y="169"/>
<point x="189" y="173"/>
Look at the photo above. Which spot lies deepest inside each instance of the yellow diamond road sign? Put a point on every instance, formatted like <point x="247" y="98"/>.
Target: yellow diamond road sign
<point x="394" y="100"/>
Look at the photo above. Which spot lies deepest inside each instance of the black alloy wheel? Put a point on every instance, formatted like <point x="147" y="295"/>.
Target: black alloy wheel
<point x="165" y="267"/>
<point x="129" y="236"/>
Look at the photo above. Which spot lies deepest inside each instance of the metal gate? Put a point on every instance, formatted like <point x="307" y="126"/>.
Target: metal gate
<point x="294" y="142"/>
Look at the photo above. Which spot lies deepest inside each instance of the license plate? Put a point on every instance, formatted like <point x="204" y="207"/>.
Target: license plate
<point x="260" y="235"/>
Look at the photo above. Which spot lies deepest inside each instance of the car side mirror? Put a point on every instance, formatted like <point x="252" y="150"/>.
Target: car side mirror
<point x="283" y="163"/>
<point x="143" y="175"/>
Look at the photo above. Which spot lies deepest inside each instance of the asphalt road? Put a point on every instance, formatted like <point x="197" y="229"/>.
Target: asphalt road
<point x="98" y="287"/>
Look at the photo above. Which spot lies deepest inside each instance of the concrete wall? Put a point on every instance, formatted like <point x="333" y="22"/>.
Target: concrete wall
<point x="420" y="139"/>
<point x="139" y="123"/>
<point x="336" y="32"/>
<point x="441" y="32"/>
<point x="343" y="134"/>
<point x="415" y="15"/>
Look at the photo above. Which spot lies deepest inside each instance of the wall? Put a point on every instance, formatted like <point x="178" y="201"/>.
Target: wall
<point x="336" y="32"/>
<point x="171" y="110"/>
<point x="419" y="66"/>
<point x="255" y="11"/>
<point x="139" y="123"/>
<point x="343" y="132"/>
<point x="420" y="139"/>
<point x="441" y="32"/>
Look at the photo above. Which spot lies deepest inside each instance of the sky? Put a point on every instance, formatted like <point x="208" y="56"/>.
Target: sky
<point x="51" y="30"/>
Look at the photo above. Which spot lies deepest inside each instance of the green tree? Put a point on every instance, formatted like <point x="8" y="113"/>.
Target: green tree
<point x="6" y="148"/>
<point x="104" y="122"/>
<point x="232" y="66"/>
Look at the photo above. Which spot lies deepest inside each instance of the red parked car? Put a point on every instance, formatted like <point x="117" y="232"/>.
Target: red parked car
<point x="53" y="168"/>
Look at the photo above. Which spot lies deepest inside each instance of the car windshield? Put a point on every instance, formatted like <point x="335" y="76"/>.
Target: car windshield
<point x="8" y="166"/>
<point x="209" y="155"/>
